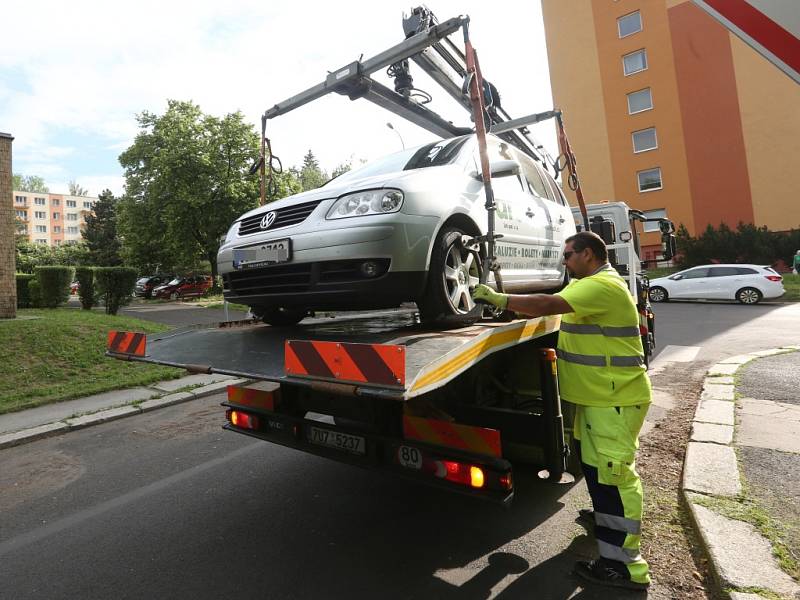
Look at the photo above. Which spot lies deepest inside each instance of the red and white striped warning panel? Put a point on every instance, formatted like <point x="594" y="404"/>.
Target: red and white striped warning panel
<point x="255" y="397"/>
<point x="377" y="364"/>
<point x="462" y="437"/>
<point x="126" y="342"/>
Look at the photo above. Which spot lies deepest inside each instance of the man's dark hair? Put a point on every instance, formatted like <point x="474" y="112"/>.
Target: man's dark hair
<point x="589" y="239"/>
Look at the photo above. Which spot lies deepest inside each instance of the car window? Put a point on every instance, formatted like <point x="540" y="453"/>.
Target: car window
<point x="696" y="273"/>
<point x="175" y="281"/>
<point x="141" y="281"/>
<point x="746" y="271"/>
<point x="504" y="187"/>
<point x="557" y="193"/>
<point x="532" y="177"/>
<point x="723" y="271"/>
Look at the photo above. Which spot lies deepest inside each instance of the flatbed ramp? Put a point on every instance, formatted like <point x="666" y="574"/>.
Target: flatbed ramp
<point x="382" y="354"/>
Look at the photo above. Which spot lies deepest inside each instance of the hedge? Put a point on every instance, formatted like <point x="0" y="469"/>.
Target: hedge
<point x="24" y="299"/>
<point x="86" y="288"/>
<point x="54" y="284"/>
<point x="115" y="285"/>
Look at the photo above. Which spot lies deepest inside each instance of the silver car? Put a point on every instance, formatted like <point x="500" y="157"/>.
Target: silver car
<point x="398" y="230"/>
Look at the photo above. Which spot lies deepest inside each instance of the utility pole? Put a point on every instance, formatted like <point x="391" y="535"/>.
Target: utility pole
<point x="8" y="233"/>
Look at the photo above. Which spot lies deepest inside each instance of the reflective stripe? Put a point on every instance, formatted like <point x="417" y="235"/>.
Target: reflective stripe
<point x="618" y="523"/>
<point x="591" y="360"/>
<point x="623" y="555"/>
<point x="595" y="360"/>
<point x="600" y="330"/>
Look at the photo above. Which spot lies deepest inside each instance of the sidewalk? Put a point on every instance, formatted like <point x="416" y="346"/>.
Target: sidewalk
<point x="740" y="476"/>
<point x="25" y="426"/>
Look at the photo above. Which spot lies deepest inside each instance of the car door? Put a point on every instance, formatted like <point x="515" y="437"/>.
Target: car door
<point x="723" y="282"/>
<point x="689" y="284"/>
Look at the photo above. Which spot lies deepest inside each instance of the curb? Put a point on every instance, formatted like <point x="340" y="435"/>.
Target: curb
<point x="17" y="438"/>
<point x="711" y="470"/>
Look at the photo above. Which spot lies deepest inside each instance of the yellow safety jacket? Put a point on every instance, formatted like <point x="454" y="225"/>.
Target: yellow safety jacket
<point x="600" y="356"/>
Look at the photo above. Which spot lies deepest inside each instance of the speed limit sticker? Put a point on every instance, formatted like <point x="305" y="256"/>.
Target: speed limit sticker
<point x="409" y="457"/>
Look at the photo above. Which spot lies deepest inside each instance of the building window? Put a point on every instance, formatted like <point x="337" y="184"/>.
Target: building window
<point x="40" y="214"/>
<point x="634" y="62"/>
<point x="56" y="216"/>
<point x="72" y="217"/>
<point x="22" y="229"/>
<point x="21" y="199"/>
<point x="629" y="24"/>
<point x="72" y="230"/>
<point x="55" y="202"/>
<point x="41" y="241"/>
<point x="56" y="229"/>
<point x="656" y="213"/>
<point x="39" y="201"/>
<point x="640" y="101"/>
<point x="644" y="140"/>
<point x="41" y="229"/>
<point x="649" y="180"/>
<point x="87" y="205"/>
<point x="71" y="204"/>
<point x="21" y="214"/>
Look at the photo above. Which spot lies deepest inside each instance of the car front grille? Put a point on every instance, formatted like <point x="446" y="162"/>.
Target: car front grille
<point x="290" y="215"/>
<point x="296" y="278"/>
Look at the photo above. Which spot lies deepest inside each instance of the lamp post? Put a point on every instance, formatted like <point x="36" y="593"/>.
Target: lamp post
<point x="390" y="126"/>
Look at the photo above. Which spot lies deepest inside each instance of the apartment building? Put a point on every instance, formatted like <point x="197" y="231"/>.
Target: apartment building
<point x="669" y="112"/>
<point x="51" y="219"/>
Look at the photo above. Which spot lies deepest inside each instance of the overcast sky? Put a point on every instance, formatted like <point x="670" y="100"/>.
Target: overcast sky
<point x="73" y="75"/>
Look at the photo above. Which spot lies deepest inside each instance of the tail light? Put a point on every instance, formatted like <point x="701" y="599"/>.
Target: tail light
<point x="774" y="277"/>
<point x="242" y="419"/>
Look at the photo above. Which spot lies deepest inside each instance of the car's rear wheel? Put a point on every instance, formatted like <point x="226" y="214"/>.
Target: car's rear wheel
<point x="658" y="294"/>
<point x="278" y="316"/>
<point x="748" y="295"/>
<point x="453" y="272"/>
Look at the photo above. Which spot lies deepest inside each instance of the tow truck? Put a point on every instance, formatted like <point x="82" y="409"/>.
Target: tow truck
<point x="453" y="409"/>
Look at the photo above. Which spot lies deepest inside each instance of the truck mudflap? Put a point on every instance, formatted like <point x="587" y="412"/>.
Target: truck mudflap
<point x="464" y="459"/>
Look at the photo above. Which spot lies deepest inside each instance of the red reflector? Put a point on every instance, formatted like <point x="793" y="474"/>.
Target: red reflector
<point x="506" y="481"/>
<point x="457" y="472"/>
<point x="242" y="419"/>
<point x="774" y="277"/>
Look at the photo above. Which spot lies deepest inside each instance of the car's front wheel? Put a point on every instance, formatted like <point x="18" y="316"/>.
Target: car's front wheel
<point x="278" y="316"/>
<point x="173" y="296"/>
<point x="658" y="294"/>
<point x="748" y="295"/>
<point x="453" y="272"/>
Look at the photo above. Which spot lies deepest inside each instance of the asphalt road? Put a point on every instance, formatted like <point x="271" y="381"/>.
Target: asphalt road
<point x="168" y="505"/>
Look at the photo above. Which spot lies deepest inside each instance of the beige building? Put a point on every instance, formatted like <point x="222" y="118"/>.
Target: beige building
<point x="668" y="111"/>
<point x="51" y="219"/>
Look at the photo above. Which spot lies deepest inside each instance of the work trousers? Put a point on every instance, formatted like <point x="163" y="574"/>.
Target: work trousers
<point x="608" y="438"/>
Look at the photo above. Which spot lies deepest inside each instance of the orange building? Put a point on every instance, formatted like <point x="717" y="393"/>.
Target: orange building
<point x="668" y="111"/>
<point x="51" y="219"/>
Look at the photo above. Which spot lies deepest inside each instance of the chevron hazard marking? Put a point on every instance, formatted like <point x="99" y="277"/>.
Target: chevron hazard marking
<point x="126" y="342"/>
<point x="382" y="364"/>
<point x="480" y="440"/>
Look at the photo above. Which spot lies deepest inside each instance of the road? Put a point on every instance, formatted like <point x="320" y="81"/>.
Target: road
<point x="168" y="505"/>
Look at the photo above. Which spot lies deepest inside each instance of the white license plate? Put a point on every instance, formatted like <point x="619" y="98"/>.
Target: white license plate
<point x="409" y="457"/>
<point x="354" y="444"/>
<point x="264" y="254"/>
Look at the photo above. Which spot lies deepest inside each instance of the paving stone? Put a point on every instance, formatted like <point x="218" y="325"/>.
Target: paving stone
<point x="712" y="432"/>
<point x="717" y="392"/>
<point x="198" y="379"/>
<point x="723" y="369"/>
<point x="711" y="469"/>
<point x="102" y="416"/>
<point x="745" y="596"/>
<point x="771" y="352"/>
<point x="166" y="401"/>
<point x="28" y="435"/>
<point x="741" y="557"/>
<point x="767" y="424"/>
<point x="737" y="360"/>
<point x="715" y="411"/>
<point x="720" y="380"/>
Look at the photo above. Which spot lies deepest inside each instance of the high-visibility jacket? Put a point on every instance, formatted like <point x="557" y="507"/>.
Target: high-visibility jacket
<point x="600" y="356"/>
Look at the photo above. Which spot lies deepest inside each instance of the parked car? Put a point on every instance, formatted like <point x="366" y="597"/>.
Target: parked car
<point x="393" y="231"/>
<point x="184" y="287"/>
<point x="145" y="285"/>
<point x="746" y="283"/>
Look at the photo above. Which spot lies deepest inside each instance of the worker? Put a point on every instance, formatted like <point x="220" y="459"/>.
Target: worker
<point x="600" y="370"/>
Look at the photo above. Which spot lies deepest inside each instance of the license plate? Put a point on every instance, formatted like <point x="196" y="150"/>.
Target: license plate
<point x="355" y="444"/>
<point x="268" y="253"/>
<point x="409" y="457"/>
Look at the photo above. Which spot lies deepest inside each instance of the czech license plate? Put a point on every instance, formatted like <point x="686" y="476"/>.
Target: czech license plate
<point x="355" y="444"/>
<point x="269" y="253"/>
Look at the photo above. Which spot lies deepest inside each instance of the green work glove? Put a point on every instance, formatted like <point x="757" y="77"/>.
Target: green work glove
<point x="486" y="295"/>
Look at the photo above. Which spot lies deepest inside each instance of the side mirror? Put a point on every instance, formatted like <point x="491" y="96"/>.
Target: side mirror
<point x="501" y="168"/>
<point x="668" y="245"/>
<point x="676" y="277"/>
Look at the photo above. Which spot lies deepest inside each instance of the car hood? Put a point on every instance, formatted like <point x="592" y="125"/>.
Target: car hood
<point x="660" y="281"/>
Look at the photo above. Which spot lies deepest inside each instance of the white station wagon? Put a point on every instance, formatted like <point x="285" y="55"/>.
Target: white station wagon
<point x="393" y="231"/>
<point x="746" y="283"/>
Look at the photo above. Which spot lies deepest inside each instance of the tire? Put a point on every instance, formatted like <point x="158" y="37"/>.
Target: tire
<point x="658" y="294"/>
<point x="453" y="271"/>
<point x="280" y="317"/>
<point x="173" y="296"/>
<point x="749" y="295"/>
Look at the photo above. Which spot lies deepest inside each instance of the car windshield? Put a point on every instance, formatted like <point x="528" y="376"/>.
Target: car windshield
<point x="142" y="281"/>
<point x="444" y="152"/>
<point x="175" y="281"/>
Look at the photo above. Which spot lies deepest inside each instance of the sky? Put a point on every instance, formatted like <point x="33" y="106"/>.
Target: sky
<point x="73" y="76"/>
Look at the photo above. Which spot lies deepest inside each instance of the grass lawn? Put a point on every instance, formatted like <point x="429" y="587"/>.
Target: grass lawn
<point x="60" y="356"/>
<point x="791" y="283"/>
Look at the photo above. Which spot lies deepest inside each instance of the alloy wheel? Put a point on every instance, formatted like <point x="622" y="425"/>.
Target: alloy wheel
<point x="461" y="273"/>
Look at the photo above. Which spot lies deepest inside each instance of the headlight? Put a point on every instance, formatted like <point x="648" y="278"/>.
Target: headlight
<point x="232" y="232"/>
<point x="372" y="202"/>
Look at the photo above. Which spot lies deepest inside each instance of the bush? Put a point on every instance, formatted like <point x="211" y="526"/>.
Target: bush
<point x="54" y="284"/>
<point x="115" y="285"/>
<point x="35" y="290"/>
<point x="86" y="289"/>
<point x="24" y="290"/>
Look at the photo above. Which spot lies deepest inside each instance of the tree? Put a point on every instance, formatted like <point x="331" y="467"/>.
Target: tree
<point x="186" y="178"/>
<point x="31" y="183"/>
<point x="76" y="190"/>
<point x="311" y="175"/>
<point x="342" y="169"/>
<point x="100" y="232"/>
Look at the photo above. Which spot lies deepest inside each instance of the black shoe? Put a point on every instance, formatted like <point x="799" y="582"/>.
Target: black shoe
<point x="605" y="573"/>
<point x="586" y="518"/>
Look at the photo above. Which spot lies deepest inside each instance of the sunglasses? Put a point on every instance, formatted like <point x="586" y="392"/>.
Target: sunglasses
<point x="568" y="254"/>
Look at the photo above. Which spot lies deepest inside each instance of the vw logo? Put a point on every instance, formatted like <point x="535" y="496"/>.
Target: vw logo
<point x="268" y="219"/>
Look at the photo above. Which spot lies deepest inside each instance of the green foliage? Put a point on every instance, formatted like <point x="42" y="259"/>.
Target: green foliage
<point x="186" y="179"/>
<point x="54" y="283"/>
<point x="115" y="286"/>
<point x="746" y="244"/>
<point x="31" y="255"/>
<point x="31" y="183"/>
<point x="342" y="169"/>
<point x="101" y="232"/>
<point x="311" y="175"/>
<point x="23" y="290"/>
<point x="86" y="288"/>
<point x="35" y="292"/>
<point x="76" y="190"/>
